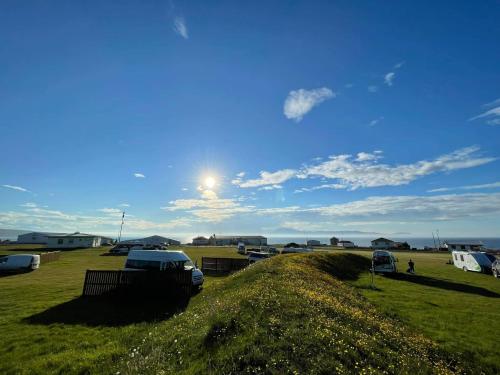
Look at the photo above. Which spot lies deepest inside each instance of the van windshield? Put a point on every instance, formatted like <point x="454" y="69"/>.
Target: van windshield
<point x="157" y="265"/>
<point x="381" y="259"/>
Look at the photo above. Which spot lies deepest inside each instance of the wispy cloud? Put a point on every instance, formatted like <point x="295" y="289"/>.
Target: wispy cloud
<point x="124" y="205"/>
<point x="364" y="170"/>
<point x="300" y="102"/>
<point x="184" y="189"/>
<point x="375" y="121"/>
<point x="180" y="27"/>
<point x="389" y="78"/>
<point x="29" y="205"/>
<point x="399" y="64"/>
<point x="139" y="175"/>
<point x="271" y="187"/>
<point x="13" y="187"/>
<point x="492" y="185"/>
<point x="372" y="89"/>
<point x="492" y="115"/>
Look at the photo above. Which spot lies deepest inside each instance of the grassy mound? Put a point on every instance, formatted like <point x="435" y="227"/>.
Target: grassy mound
<point x="290" y="314"/>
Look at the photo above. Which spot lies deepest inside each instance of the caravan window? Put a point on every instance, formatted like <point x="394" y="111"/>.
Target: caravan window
<point x="462" y="258"/>
<point x="456" y="258"/>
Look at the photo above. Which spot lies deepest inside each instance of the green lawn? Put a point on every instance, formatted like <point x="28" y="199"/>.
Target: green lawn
<point x="458" y="310"/>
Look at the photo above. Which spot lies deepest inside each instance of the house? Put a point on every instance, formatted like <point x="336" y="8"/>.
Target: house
<point x="234" y="240"/>
<point x="334" y="241"/>
<point x="200" y="241"/>
<point x="382" y="244"/>
<point x="73" y="240"/>
<point x="35" y="237"/>
<point x="346" y="244"/>
<point x="153" y="240"/>
<point x="313" y="243"/>
<point x="464" y="246"/>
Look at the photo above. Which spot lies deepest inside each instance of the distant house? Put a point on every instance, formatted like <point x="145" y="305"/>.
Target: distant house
<point x="73" y="240"/>
<point x="35" y="237"/>
<point x="153" y="240"/>
<point x="464" y="246"/>
<point x="382" y="244"/>
<point x="234" y="240"/>
<point x="313" y="243"/>
<point x="200" y="241"/>
<point x="334" y="241"/>
<point x="402" y="245"/>
<point x="346" y="244"/>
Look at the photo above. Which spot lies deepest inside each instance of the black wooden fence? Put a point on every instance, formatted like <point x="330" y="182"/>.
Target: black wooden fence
<point x="222" y="265"/>
<point x="174" y="282"/>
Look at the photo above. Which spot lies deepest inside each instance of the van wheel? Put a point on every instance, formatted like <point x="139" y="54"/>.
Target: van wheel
<point x="465" y="269"/>
<point x="495" y="274"/>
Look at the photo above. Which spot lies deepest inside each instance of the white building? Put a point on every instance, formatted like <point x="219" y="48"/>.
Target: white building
<point x="35" y="237"/>
<point x="382" y="244"/>
<point x="234" y="240"/>
<point x="73" y="241"/>
<point x="464" y="246"/>
<point x="153" y="240"/>
<point x="200" y="241"/>
<point x="346" y="244"/>
<point x="313" y="243"/>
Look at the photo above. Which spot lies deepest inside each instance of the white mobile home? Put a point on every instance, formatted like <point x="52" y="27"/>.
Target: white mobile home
<point x="73" y="241"/>
<point x="35" y="237"/>
<point x="153" y="240"/>
<point x="382" y="244"/>
<point x="346" y="244"/>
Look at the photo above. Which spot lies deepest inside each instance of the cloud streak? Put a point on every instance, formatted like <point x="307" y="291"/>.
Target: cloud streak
<point x="492" y="115"/>
<point x="139" y="175"/>
<point x="492" y="185"/>
<point x="300" y="102"/>
<point x="17" y="188"/>
<point x="180" y="27"/>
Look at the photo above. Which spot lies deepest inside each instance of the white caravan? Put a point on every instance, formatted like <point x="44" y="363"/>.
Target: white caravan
<point x="477" y="261"/>
<point x="143" y="260"/>
<point x="19" y="263"/>
<point x="384" y="262"/>
<point x="241" y="248"/>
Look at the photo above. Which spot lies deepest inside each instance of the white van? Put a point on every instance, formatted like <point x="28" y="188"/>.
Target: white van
<point x="477" y="261"/>
<point x="19" y="263"/>
<point x="143" y="260"/>
<point x="384" y="262"/>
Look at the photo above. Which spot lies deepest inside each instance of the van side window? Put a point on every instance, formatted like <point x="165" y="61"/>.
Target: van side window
<point x="462" y="258"/>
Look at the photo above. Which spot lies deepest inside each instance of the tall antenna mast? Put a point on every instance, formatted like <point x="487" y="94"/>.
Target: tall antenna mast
<point x="434" y="240"/>
<point x="439" y="240"/>
<point x="121" y="227"/>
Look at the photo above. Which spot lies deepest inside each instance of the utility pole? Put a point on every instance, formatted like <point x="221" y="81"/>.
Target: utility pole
<point x="121" y="227"/>
<point x="434" y="240"/>
<point x="439" y="240"/>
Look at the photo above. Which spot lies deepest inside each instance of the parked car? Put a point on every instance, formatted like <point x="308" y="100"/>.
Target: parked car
<point x="19" y="263"/>
<point x="495" y="268"/>
<point x="241" y="248"/>
<point x="384" y="262"/>
<point x="254" y="256"/>
<point x="477" y="261"/>
<point x="144" y="260"/>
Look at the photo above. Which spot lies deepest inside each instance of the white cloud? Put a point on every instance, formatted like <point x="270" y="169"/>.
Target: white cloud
<point x="349" y="85"/>
<point x="376" y="121"/>
<point x="241" y="175"/>
<point x="399" y="65"/>
<point x="139" y="175"/>
<point x="180" y="27"/>
<point x="365" y="170"/>
<point x="300" y="102"/>
<point x="389" y="78"/>
<point x="492" y="115"/>
<point x="110" y="211"/>
<point x="184" y="189"/>
<point x="320" y="187"/>
<point x="267" y="178"/>
<point x="13" y="187"/>
<point x="29" y="205"/>
<point x="271" y="187"/>
<point x="372" y="88"/>
<point x="493" y="185"/>
<point x="124" y="205"/>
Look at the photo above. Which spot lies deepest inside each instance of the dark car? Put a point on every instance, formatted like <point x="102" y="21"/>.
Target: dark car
<point x="495" y="268"/>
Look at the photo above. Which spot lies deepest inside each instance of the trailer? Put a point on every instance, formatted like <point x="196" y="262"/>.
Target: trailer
<point x="19" y="263"/>
<point x="476" y="261"/>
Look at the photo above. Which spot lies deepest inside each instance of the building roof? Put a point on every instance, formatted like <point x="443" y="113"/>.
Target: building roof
<point x="42" y="233"/>
<point x="150" y="238"/>
<point x="382" y="239"/>
<point x="200" y="238"/>
<point x="345" y="241"/>
<point x="477" y="243"/>
<point x="231" y="237"/>
<point x="76" y="234"/>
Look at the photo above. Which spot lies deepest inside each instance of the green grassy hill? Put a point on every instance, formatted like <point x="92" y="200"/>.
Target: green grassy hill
<point x="291" y="314"/>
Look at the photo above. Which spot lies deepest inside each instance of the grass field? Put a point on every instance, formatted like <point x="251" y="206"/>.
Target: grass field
<point x="457" y="310"/>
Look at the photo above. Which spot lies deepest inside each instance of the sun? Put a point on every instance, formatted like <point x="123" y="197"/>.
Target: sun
<point x="209" y="182"/>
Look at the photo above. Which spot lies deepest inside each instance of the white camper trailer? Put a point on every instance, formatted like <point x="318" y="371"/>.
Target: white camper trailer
<point x="143" y="260"/>
<point x="19" y="263"/>
<point x="477" y="261"/>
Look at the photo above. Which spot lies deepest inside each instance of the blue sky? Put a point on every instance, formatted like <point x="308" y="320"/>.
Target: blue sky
<point x="310" y="117"/>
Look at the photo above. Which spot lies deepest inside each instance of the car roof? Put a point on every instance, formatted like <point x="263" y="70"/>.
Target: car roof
<point x="157" y="254"/>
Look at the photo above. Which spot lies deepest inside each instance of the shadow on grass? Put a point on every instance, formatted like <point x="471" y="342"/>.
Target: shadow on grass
<point x="109" y="311"/>
<point x="343" y="266"/>
<point x="443" y="284"/>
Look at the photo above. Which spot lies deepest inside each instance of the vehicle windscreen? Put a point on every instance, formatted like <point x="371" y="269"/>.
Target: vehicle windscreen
<point x="143" y="264"/>
<point x="381" y="259"/>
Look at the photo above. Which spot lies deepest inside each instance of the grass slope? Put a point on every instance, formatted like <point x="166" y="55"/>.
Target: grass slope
<point x="290" y="314"/>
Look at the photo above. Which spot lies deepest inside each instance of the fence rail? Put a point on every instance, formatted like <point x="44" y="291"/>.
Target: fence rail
<point x="138" y="283"/>
<point x="211" y="265"/>
<point x="50" y="256"/>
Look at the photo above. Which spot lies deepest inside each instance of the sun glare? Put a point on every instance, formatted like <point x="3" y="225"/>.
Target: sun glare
<point x="209" y="182"/>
